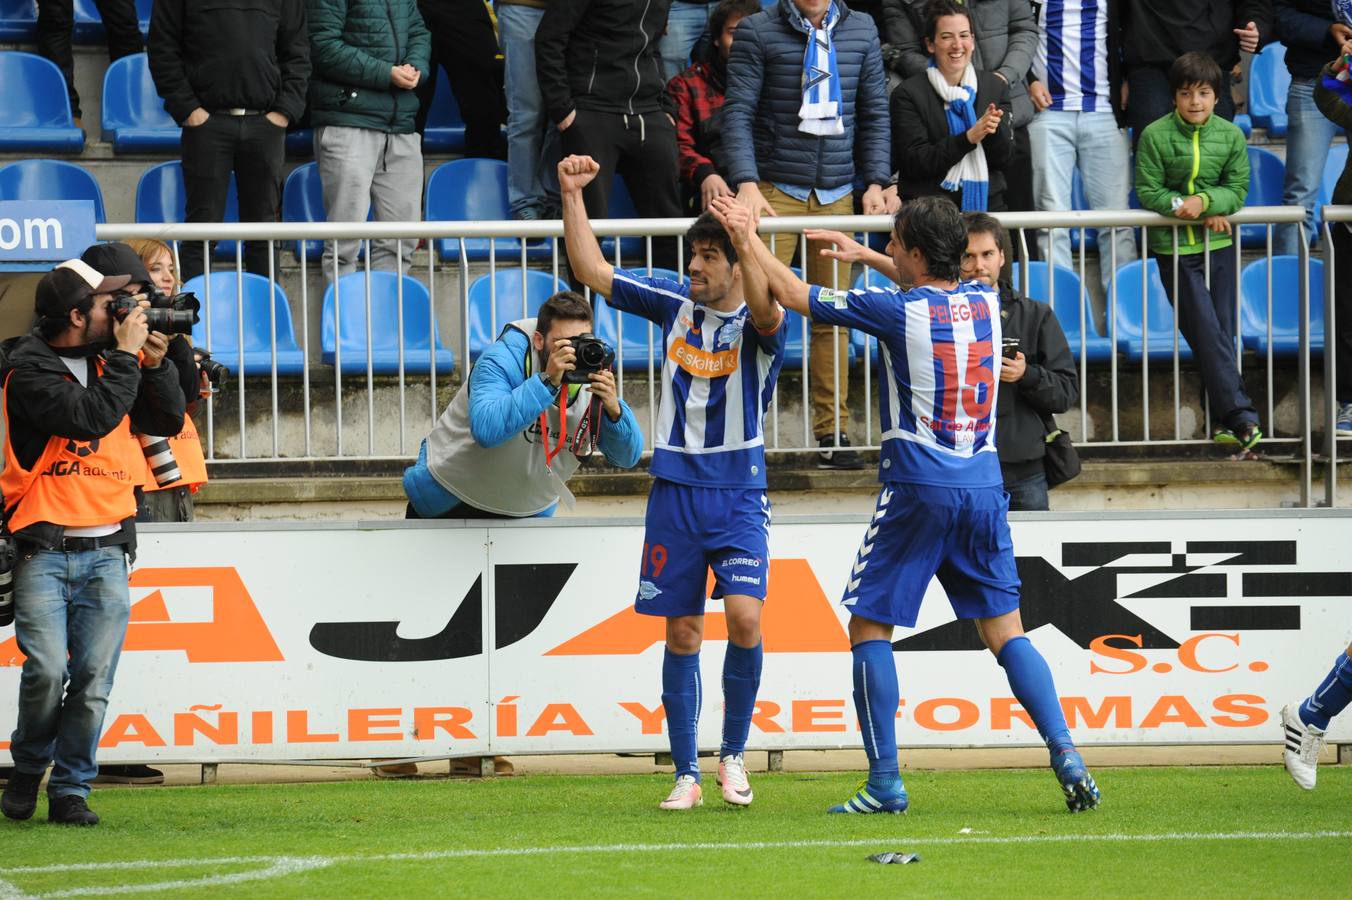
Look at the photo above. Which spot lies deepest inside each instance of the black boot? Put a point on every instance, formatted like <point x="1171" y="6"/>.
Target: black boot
<point x="70" y="810"/>
<point x="21" y="795"/>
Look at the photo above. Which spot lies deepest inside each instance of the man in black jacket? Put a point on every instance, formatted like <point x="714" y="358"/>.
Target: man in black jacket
<point x="234" y="76"/>
<point x="73" y="389"/>
<point x="1039" y="377"/>
<point x="601" y="80"/>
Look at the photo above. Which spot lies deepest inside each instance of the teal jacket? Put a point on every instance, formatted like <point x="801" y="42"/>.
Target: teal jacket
<point x="353" y="46"/>
<point x="1175" y="159"/>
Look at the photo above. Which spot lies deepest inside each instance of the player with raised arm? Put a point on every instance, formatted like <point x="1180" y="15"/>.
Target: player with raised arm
<point x="707" y="508"/>
<point x="942" y="509"/>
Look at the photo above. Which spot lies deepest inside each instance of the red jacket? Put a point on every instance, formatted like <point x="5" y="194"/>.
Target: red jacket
<point x="698" y="93"/>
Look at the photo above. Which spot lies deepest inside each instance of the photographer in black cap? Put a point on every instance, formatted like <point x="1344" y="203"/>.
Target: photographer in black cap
<point x="73" y="388"/>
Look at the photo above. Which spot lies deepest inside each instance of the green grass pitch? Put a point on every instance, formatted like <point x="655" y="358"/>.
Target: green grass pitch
<point x="1160" y="832"/>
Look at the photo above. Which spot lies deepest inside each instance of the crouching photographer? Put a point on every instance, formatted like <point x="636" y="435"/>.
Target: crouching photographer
<point x="73" y="390"/>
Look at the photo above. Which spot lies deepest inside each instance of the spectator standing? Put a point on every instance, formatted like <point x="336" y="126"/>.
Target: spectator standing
<point x="74" y="387"/>
<point x="532" y="142"/>
<point x="1005" y="33"/>
<point x="56" y="23"/>
<point x="1333" y="96"/>
<point x="793" y="144"/>
<point x="1037" y="382"/>
<point x="687" y="21"/>
<point x="951" y="125"/>
<point x="1157" y="32"/>
<point x="234" y="77"/>
<point x="369" y="57"/>
<point x="698" y="93"/>
<point x="1076" y="86"/>
<point x="465" y="44"/>
<point x="1194" y="165"/>
<point x="1312" y="37"/>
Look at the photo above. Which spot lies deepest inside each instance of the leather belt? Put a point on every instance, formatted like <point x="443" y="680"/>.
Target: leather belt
<point x="237" y="111"/>
<point x="80" y="544"/>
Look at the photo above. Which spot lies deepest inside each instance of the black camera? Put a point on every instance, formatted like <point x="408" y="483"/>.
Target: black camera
<point x="592" y="355"/>
<point x="215" y="373"/>
<point x="1009" y="347"/>
<point x="8" y="554"/>
<point x="175" y="314"/>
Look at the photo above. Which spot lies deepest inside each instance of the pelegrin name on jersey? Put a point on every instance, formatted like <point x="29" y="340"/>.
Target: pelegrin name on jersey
<point x="63" y="467"/>
<point x="950" y="425"/>
<point x="959" y="312"/>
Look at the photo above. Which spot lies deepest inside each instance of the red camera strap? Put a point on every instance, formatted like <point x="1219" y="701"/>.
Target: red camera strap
<point x="563" y="427"/>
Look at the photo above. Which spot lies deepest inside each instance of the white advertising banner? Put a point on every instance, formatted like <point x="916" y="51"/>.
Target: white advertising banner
<point x="387" y="640"/>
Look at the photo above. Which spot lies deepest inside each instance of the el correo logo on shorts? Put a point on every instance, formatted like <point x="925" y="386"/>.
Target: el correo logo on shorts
<point x="838" y="299"/>
<point x="741" y="561"/>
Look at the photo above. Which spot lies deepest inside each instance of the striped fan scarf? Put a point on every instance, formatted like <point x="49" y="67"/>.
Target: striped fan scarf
<point x="820" y="112"/>
<point x="969" y="174"/>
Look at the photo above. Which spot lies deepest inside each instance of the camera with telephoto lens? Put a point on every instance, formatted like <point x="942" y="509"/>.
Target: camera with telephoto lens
<point x="8" y="554"/>
<point x="215" y="373"/>
<point x="592" y="355"/>
<point x="167" y="315"/>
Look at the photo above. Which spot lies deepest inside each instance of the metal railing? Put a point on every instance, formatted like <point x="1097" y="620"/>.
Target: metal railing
<point x="277" y="417"/>
<point x="1333" y="217"/>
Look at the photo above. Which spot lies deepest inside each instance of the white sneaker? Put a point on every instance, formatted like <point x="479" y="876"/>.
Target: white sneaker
<point x="1304" y="743"/>
<point x="1343" y="425"/>
<point x="732" y="776"/>
<point x="685" y="794"/>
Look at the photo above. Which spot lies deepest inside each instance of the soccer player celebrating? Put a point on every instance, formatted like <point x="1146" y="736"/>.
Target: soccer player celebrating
<point x="723" y="341"/>
<point x="942" y="508"/>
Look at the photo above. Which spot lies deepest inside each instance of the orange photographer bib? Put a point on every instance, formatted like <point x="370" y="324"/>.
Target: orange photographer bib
<point x="73" y="483"/>
<point x="192" y="464"/>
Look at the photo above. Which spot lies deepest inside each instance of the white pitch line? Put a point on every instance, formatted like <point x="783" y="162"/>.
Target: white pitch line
<point x="280" y="866"/>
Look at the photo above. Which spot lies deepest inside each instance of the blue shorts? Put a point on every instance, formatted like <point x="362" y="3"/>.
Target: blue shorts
<point x="920" y="531"/>
<point x="690" y="530"/>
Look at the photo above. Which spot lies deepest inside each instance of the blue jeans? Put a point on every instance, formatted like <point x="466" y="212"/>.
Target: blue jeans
<point x="1308" y="137"/>
<point x="532" y="140"/>
<point x="70" y="616"/>
<point x="1028" y="494"/>
<point x="685" y="23"/>
<point x="1061" y="141"/>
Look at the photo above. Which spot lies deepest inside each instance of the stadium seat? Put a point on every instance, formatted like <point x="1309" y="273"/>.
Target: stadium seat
<point x="1067" y="304"/>
<point x="1267" y="175"/>
<point x="445" y="132"/>
<point x="89" y="23"/>
<point x="222" y="309"/>
<point x="134" y="119"/>
<point x="629" y="333"/>
<point x="1269" y="83"/>
<point x="1245" y="124"/>
<point x="18" y="21"/>
<point x="50" y="179"/>
<point x="496" y="300"/>
<point x="35" y="114"/>
<point x="421" y="340"/>
<point x="1159" y="310"/>
<point x="1333" y="169"/>
<point x="300" y="142"/>
<point x="633" y="252"/>
<point x="1253" y="309"/>
<point x="160" y="197"/>
<point x="303" y="201"/>
<point x="475" y="190"/>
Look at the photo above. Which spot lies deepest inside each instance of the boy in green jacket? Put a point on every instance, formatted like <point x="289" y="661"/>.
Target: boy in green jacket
<point x="1194" y="165"/>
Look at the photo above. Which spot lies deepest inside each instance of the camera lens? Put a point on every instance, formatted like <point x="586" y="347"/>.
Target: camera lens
<point x="591" y="355"/>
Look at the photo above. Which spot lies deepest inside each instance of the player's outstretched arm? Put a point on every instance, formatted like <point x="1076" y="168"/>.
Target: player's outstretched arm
<point x="738" y="221"/>
<point x="786" y="287"/>
<point x="847" y="249"/>
<point x="584" y="254"/>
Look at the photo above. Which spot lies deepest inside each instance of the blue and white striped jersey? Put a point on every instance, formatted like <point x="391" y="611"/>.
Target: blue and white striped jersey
<point x="936" y="396"/>
<point x="718" y="375"/>
<point x="1072" y="54"/>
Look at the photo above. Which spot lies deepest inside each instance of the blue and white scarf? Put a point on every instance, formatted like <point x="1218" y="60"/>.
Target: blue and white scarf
<point x="969" y="174"/>
<point x="821" y="109"/>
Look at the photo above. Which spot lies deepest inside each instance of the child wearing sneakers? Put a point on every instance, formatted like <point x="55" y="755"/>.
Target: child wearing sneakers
<point x="1194" y="165"/>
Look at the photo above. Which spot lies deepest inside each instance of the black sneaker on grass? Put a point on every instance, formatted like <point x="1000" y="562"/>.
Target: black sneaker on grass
<point x="70" y="810"/>
<point x="128" y="775"/>
<point x="828" y="457"/>
<point x="21" y="795"/>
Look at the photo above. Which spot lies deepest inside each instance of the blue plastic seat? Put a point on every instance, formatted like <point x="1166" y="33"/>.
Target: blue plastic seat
<point x="475" y="190"/>
<point x="1269" y="83"/>
<point x="134" y="118"/>
<point x="50" y="179"/>
<point x="18" y="21"/>
<point x="1159" y="310"/>
<point x="1253" y="306"/>
<point x="445" y="131"/>
<point x="160" y="197"/>
<point x="1333" y="169"/>
<point x="89" y="24"/>
<point x="35" y="114"/>
<point x="421" y="340"/>
<point x="303" y="201"/>
<point x="222" y="308"/>
<point x="300" y="142"/>
<point x="1069" y="294"/>
<point x="632" y="252"/>
<point x="629" y="333"/>
<point x="1245" y="124"/>
<point x="496" y="300"/>
<point x="1267" y="175"/>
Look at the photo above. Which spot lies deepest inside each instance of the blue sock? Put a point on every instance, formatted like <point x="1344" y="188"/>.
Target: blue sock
<point x="876" y="695"/>
<point x="1331" y="696"/>
<point x="681" y="695"/>
<point x="741" y="681"/>
<point x="1031" y="682"/>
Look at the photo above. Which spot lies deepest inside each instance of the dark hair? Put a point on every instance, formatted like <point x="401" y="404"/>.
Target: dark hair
<point x="51" y="328"/>
<point x="1194" y="68"/>
<point x="567" y="306"/>
<point x="937" y="9"/>
<point x="729" y="9"/>
<point x="706" y="228"/>
<point x="933" y="225"/>
<point x="984" y="223"/>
